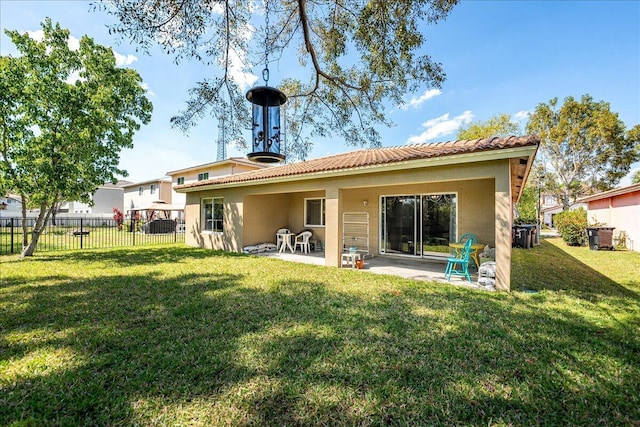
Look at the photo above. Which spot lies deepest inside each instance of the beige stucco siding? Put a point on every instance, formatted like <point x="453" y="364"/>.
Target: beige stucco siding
<point x="266" y="208"/>
<point x="474" y="198"/>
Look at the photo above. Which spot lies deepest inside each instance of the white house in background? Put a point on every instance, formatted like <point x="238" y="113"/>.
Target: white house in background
<point x="619" y="208"/>
<point x="10" y="203"/>
<point x="106" y="197"/>
<point x="231" y="166"/>
<point x="140" y="195"/>
<point x="549" y="212"/>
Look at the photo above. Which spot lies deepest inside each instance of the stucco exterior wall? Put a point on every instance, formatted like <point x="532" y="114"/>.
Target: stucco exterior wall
<point x="105" y="199"/>
<point x="133" y="199"/>
<point x="621" y="212"/>
<point x="269" y="207"/>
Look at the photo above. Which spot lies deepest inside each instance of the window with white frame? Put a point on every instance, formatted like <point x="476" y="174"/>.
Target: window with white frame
<point x="314" y="212"/>
<point x="153" y="188"/>
<point x="140" y="190"/>
<point x="181" y="180"/>
<point x="212" y="215"/>
<point x="203" y="176"/>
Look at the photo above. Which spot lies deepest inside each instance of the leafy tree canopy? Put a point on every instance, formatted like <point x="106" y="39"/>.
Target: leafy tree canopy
<point x="357" y="56"/>
<point x="500" y="125"/>
<point x="65" y="116"/>
<point x="636" y="178"/>
<point x="584" y="146"/>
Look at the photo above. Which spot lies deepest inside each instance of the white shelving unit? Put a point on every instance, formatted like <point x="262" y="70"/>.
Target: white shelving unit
<point x="355" y="231"/>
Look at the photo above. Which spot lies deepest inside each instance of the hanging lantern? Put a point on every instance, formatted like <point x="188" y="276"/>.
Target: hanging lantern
<point x="266" y="135"/>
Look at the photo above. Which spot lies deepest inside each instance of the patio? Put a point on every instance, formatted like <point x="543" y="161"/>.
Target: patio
<point x="409" y="268"/>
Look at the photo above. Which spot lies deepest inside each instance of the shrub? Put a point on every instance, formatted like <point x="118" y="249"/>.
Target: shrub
<point x="572" y="226"/>
<point x="118" y="217"/>
<point x="139" y="224"/>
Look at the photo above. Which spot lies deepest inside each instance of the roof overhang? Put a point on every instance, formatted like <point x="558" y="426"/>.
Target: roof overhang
<point x="521" y="161"/>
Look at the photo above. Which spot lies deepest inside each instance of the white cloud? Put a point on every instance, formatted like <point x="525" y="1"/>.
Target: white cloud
<point x="236" y="70"/>
<point x="522" y="115"/>
<point x="417" y="102"/>
<point x="124" y="60"/>
<point x="74" y="77"/>
<point x="38" y="35"/>
<point x="145" y="86"/>
<point x="441" y="126"/>
<point x="73" y="43"/>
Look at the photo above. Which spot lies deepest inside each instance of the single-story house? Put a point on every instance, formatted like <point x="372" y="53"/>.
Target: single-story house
<point x="619" y="208"/>
<point x="410" y="200"/>
<point x="549" y="213"/>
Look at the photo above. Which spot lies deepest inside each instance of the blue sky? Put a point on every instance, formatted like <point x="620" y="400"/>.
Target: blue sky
<point x="499" y="57"/>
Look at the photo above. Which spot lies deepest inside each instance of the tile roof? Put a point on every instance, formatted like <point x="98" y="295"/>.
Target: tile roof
<point x="373" y="157"/>
<point x="610" y="193"/>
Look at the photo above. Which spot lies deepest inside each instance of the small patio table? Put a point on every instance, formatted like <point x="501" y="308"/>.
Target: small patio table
<point x="474" y="251"/>
<point x="287" y="240"/>
<point x="350" y="257"/>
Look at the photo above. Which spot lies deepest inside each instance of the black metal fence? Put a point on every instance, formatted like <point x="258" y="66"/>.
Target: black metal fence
<point x="90" y="233"/>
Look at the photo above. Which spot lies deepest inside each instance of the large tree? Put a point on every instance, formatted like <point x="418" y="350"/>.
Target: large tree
<point x="65" y="116"/>
<point x="500" y="125"/>
<point x="584" y="146"/>
<point x="355" y="56"/>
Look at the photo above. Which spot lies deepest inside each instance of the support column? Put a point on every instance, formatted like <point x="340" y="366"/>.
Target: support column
<point x="503" y="222"/>
<point x="332" y="227"/>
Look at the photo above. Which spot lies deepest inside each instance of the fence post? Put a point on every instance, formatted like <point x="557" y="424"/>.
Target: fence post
<point x="81" y="234"/>
<point x="135" y="227"/>
<point x="11" y="235"/>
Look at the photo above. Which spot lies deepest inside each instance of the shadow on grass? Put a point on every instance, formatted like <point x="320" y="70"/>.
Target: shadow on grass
<point x="127" y="256"/>
<point x="220" y="349"/>
<point x="548" y="267"/>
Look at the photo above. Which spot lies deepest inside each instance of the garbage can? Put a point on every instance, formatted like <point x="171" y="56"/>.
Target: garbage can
<point x="522" y="236"/>
<point x="600" y="237"/>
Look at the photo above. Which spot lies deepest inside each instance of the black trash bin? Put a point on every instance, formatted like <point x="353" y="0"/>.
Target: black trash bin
<point x="522" y="236"/>
<point x="600" y="238"/>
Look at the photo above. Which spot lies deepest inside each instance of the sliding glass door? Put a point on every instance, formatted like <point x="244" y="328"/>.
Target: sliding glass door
<point x="399" y="224"/>
<point x="438" y="222"/>
<point x="417" y="224"/>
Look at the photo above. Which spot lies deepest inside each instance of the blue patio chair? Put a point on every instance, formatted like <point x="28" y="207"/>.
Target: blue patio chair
<point x="459" y="265"/>
<point x="468" y="236"/>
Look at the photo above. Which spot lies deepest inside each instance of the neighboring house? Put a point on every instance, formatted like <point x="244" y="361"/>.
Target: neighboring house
<point x="619" y="208"/>
<point x="10" y="203"/>
<point x="140" y="195"/>
<point x="105" y="198"/>
<point x="549" y="212"/>
<point x="386" y="201"/>
<point x="231" y="166"/>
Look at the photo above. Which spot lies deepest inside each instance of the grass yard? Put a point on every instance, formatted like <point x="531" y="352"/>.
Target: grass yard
<point x="180" y="336"/>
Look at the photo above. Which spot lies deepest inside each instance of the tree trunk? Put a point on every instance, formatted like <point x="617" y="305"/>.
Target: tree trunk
<point x="565" y="201"/>
<point x="38" y="227"/>
<point x="25" y="240"/>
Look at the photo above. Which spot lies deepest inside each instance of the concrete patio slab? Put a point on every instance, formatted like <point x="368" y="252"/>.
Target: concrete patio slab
<point x="409" y="268"/>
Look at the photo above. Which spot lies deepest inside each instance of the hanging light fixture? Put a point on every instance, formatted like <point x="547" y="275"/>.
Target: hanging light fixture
<point x="266" y="133"/>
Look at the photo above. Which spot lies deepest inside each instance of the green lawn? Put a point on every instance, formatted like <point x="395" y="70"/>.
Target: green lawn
<point x="166" y="335"/>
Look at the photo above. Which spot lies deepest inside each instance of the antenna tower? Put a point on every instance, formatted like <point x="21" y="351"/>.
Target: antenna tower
<point x="222" y="140"/>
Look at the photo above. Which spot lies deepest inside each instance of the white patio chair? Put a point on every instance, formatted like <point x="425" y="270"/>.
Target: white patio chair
<point x="302" y="239"/>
